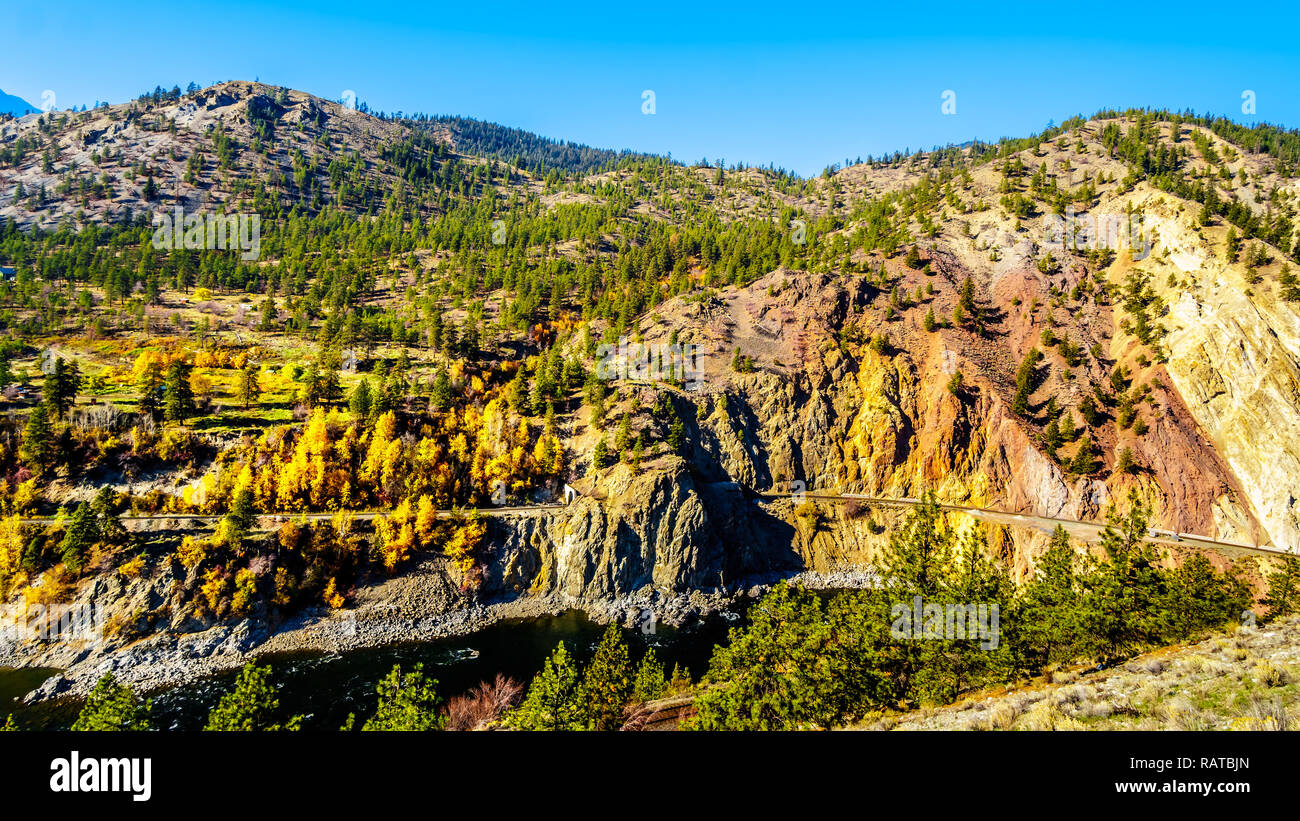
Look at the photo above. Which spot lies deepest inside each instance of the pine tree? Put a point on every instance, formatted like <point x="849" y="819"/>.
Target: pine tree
<point x="555" y="697"/>
<point x="1283" y="596"/>
<point x="955" y="383"/>
<point x="251" y="705"/>
<point x="1026" y="381"/>
<point x="1084" y="462"/>
<point x="1068" y="431"/>
<point x="241" y="517"/>
<point x="959" y="662"/>
<point x="1088" y="410"/>
<point x="1124" y="462"/>
<point x="270" y="315"/>
<point x="779" y="673"/>
<point x="440" y="395"/>
<point x="151" y="387"/>
<point x="600" y="455"/>
<point x="651" y="682"/>
<point x="79" y="536"/>
<point x="930" y="323"/>
<point x="38" y="440"/>
<point x="623" y="439"/>
<point x="1052" y="438"/>
<point x="598" y="411"/>
<point x="249" y="387"/>
<point x="321" y="386"/>
<point x="1048" y="609"/>
<point x="60" y="388"/>
<point x="113" y="706"/>
<point x="1120" y="612"/>
<point x="919" y="556"/>
<point x="178" y="400"/>
<point x="406" y="702"/>
<point x="1289" y="283"/>
<point x="360" y="402"/>
<point x="607" y="683"/>
<point x="918" y="562"/>
<point x="676" y="430"/>
<point x="108" y="525"/>
<point x="1199" y="597"/>
<point x="966" y="300"/>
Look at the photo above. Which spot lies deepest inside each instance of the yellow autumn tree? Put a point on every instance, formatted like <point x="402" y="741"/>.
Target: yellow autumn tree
<point x="382" y="470"/>
<point x="151" y="361"/>
<point x="285" y="587"/>
<point x="468" y="529"/>
<point x="426" y="518"/>
<point x="311" y="478"/>
<point x="396" y="535"/>
<point x="11" y="554"/>
<point x="245" y="591"/>
<point x="214" y="589"/>
<point x="332" y="597"/>
<point x="192" y="551"/>
<point x="431" y="473"/>
<point x="26" y="496"/>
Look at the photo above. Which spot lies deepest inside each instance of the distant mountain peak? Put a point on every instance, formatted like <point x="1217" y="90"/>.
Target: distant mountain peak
<point x="17" y="106"/>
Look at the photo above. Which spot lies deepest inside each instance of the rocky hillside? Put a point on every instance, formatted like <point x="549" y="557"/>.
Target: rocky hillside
<point x="905" y="324"/>
<point x="1242" y="681"/>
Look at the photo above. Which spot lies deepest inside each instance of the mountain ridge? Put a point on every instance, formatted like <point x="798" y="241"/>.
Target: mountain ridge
<point x="913" y="324"/>
<point x="15" y="106"/>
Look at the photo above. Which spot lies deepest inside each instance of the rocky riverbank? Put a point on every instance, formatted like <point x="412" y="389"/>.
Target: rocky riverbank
<point x="405" y="609"/>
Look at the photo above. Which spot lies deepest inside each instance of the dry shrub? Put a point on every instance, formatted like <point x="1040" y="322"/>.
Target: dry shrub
<point x="483" y="705"/>
<point x="54" y="586"/>
<point x="1149" y="694"/>
<point x="1151" y="666"/>
<point x="132" y="568"/>
<point x="1266" y="714"/>
<point x="1270" y="675"/>
<point x="1003" y="717"/>
<point x="1180" y="713"/>
<point x="106" y="416"/>
<point x="1122" y="705"/>
<point x="1095" y="709"/>
<point x="1073" y="695"/>
<point x="1047" y="716"/>
<point x="1214" y="668"/>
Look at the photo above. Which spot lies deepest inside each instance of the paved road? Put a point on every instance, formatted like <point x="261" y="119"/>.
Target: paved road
<point x="272" y="519"/>
<point x="1087" y="531"/>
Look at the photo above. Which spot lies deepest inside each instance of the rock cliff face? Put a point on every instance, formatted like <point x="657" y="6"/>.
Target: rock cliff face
<point x="1217" y="452"/>
<point x="663" y="528"/>
<point x="1234" y="356"/>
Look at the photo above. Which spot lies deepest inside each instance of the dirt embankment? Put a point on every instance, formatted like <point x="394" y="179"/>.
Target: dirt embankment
<point x="1248" y="679"/>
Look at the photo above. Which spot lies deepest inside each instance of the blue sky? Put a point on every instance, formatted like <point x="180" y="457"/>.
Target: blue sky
<point x="800" y="85"/>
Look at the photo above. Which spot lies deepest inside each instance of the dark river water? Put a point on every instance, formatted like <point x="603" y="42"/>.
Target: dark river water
<point x="326" y="688"/>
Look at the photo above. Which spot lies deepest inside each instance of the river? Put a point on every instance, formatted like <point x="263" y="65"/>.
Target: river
<point x="326" y="688"/>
